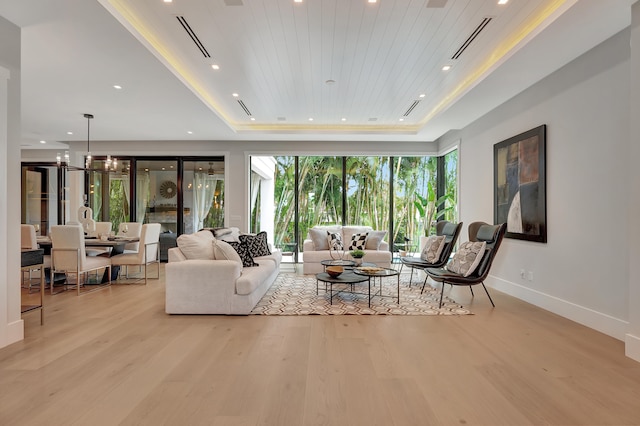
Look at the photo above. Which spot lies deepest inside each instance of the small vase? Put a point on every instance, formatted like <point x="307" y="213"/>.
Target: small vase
<point x="358" y="261"/>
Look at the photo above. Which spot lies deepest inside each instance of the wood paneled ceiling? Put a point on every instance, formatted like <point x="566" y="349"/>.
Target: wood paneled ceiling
<point x="314" y="70"/>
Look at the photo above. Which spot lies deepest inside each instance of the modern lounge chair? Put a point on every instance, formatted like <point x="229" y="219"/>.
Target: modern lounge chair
<point x="492" y="235"/>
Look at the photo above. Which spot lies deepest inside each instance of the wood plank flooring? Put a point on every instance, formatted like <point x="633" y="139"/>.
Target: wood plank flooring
<point x="113" y="357"/>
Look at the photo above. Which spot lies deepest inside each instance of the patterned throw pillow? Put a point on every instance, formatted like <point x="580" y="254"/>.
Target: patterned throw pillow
<point x="258" y="245"/>
<point x="358" y="241"/>
<point x="335" y="241"/>
<point x="243" y="251"/>
<point x="433" y="248"/>
<point x="467" y="258"/>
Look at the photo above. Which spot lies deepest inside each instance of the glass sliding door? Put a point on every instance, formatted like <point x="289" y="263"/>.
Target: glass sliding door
<point x="110" y="191"/>
<point x="414" y="186"/>
<point x="368" y="191"/>
<point x="40" y="196"/>
<point x="157" y="193"/>
<point x="203" y="195"/>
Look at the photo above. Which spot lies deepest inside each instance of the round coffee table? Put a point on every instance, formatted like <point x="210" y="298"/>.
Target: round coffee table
<point x="338" y="262"/>
<point x="346" y="277"/>
<point x="380" y="274"/>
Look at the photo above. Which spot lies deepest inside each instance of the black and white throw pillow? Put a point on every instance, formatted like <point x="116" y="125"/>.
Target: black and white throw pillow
<point x="258" y="245"/>
<point x="358" y="241"/>
<point x="335" y="241"/>
<point x="243" y="251"/>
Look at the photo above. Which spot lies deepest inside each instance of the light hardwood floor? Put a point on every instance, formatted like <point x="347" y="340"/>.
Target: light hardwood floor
<point x="114" y="357"/>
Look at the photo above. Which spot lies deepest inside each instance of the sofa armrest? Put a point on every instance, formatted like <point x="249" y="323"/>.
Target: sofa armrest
<point x="307" y="245"/>
<point x="175" y="255"/>
<point x="384" y="246"/>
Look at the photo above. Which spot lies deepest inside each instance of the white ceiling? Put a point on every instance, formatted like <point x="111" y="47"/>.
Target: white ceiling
<point x="278" y="55"/>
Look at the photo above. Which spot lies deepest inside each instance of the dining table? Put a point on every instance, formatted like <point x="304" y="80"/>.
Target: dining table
<point x="116" y="244"/>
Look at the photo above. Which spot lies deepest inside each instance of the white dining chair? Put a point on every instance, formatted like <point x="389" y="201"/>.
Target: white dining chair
<point x="130" y="229"/>
<point x="102" y="228"/>
<point x="148" y="251"/>
<point x="29" y="241"/>
<point x="68" y="256"/>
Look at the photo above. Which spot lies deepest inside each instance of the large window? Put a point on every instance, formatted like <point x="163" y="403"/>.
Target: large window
<point x="399" y="194"/>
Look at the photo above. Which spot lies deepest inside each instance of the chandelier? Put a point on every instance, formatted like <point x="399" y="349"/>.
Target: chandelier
<point x="110" y="164"/>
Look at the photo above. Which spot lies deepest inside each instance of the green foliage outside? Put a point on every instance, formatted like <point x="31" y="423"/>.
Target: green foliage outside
<point x="368" y="195"/>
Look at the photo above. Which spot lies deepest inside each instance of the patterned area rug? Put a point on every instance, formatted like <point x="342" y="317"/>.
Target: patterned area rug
<point x="293" y="294"/>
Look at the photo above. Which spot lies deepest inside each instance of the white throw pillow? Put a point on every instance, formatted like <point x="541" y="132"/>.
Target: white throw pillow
<point x="374" y="239"/>
<point x="319" y="238"/>
<point x="433" y="248"/>
<point x="467" y="258"/>
<point x="224" y="251"/>
<point x="196" y="246"/>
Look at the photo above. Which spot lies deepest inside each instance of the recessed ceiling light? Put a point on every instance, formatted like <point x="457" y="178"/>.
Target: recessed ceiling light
<point x="215" y="67"/>
<point x="253" y="119"/>
<point x="117" y="87"/>
<point x="297" y="1"/>
<point x="43" y="141"/>
<point x="189" y="132"/>
<point x="235" y="95"/>
<point x="168" y="1"/>
<point x="69" y="133"/>
<point x="422" y="95"/>
<point x="446" y="68"/>
<point x="310" y="118"/>
<point x="503" y="1"/>
<point x="163" y="168"/>
<point x="171" y="167"/>
<point x="402" y="119"/>
<point x="373" y="1"/>
<point x="344" y="119"/>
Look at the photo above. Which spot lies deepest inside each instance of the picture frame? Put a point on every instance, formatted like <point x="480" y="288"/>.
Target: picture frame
<point x="520" y="193"/>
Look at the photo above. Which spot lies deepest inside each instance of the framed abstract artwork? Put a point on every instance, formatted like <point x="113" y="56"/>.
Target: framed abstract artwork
<point x="520" y="193"/>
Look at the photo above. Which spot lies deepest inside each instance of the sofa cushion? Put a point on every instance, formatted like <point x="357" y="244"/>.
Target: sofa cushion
<point x="243" y="251"/>
<point x="358" y="241"/>
<point x="433" y="248"/>
<point x="258" y="245"/>
<point x="467" y="258"/>
<point x="227" y="234"/>
<point x="252" y="278"/>
<point x="335" y="241"/>
<point x="319" y="238"/>
<point x="374" y="239"/>
<point x="223" y="251"/>
<point x="197" y="246"/>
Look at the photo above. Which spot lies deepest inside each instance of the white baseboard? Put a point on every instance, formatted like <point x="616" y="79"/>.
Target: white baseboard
<point x="15" y="332"/>
<point x="632" y="347"/>
<point x="603" y="323"/>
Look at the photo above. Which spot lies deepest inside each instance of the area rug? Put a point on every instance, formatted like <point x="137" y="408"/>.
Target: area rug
<point x="293" y="294"/>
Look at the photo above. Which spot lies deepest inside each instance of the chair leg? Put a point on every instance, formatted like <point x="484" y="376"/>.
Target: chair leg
<point x="487" y="291"/>
<point x="411" y="277"/>
<point x="441" y="294"/>
<point x="471" y="288"/>
<point x="425" y="284"/>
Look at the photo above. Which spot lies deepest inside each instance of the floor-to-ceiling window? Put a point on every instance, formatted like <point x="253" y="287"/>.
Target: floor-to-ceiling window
<point x="203" y="195"/>
<point x="397" y="194"/>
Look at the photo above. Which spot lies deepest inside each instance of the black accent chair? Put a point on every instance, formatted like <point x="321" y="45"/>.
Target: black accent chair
<point x="492" y="235"/>
<point x="451" y="231"/>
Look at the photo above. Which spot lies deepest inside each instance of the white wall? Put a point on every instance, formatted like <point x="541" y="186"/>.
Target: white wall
<point x="632" y="341"/>
<point x="581" y="273"/>
<point x="11" y="325"/>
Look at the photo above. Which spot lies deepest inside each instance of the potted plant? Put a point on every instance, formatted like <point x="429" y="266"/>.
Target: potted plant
<point x="357" y="255"/>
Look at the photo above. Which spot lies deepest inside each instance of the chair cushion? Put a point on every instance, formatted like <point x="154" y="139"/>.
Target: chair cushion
<point x="467" y="258"/>
<point x="258" y="245"/>
<point x="374" y="239"/>
<point x="334" y="240"/>
<point x="243" y="251"/>
<point x="433" y="248"/>
<point x="197" y="246"/>
<point x="223" y="251"/>
<point x="358" y="241"/>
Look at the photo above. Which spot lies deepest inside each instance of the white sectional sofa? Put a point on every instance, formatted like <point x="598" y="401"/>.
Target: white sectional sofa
<point x="315" y="246"/>
<point x="203" y="277"/>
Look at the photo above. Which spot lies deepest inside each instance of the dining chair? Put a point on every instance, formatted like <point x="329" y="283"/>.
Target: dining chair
<point x="130" y="229"/>
<point x="102" y="228"/>
<point x="68" y="256"/>
<point x="29" y="241"/>
<point x="148" y="251"/>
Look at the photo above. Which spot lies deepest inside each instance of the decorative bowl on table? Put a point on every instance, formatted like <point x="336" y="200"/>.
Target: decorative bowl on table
<point x="334" y="271"/>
